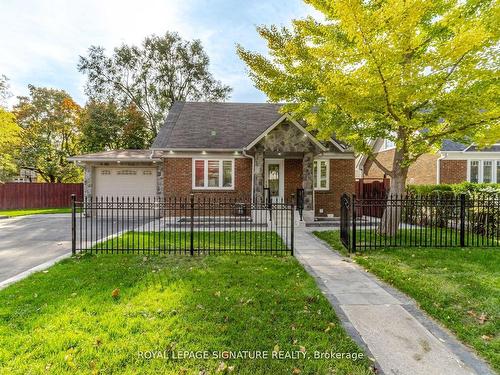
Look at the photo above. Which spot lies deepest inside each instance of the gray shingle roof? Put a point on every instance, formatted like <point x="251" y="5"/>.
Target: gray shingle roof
<point x="208" y="125"/>
<point x="452" y="146"/>
<point x="494" y="148"/>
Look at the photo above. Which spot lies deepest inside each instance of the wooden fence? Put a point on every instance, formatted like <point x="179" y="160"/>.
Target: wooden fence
<point x="37" y="195"/>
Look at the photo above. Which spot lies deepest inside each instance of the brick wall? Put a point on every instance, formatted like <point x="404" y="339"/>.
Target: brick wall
<point x="293" y="177"/>
<point x="423" y="171"/>
<point x="178" y="180"/>
<point x="342" y="180"/>
<point x="453" y="171"/>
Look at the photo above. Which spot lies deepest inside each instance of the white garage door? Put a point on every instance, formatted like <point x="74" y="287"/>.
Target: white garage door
<point x="125" y="182"/>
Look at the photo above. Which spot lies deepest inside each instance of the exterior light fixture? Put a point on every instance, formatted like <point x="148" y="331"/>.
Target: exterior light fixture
<point x="236" y="153"/>
<point x="203" y="152"/>
<point x="171" y="152"/>
<point x="118" y="162"/>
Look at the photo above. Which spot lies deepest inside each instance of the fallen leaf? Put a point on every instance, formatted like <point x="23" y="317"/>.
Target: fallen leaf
<point x="296" y="371"/>
<point x="486" y="337"/>
<point x="115" y="293"/>
<point x="222" y="367"/>
<point x="217" y="294"/>
<point x="276" y="348"/>
<point x="302" y="349"/>
<point x="230" y="368"/>
<point x="482" y="318"/>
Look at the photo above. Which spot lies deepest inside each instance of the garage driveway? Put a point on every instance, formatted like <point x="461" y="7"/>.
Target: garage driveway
<point x="28" y="241"/>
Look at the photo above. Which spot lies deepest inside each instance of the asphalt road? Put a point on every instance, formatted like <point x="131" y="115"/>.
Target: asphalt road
<point x="28" y="241"/>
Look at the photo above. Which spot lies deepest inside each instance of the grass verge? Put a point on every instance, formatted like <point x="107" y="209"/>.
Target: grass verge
<point x="460" y="287"/>
<point x="34" y="211"/>
<point x="66" y="320"/>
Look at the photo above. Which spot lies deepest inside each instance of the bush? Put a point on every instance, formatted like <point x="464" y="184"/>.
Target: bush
<point x="483" y="219"/>
<point x="454" y="189"/>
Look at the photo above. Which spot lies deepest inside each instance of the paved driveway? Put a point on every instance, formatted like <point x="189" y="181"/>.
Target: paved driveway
<point x="28" y="241"/>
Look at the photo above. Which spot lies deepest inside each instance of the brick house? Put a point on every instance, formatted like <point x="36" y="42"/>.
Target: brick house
<point x="453" y="163"/>
<point x="240" y="150"/>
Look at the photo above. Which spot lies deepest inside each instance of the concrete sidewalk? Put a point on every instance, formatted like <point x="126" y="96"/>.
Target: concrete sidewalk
<point x="382" y="320"/>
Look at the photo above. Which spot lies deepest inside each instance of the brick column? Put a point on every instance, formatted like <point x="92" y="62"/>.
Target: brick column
<point x="88" y="181"/>
<point x="308" y="180"/>
<point x="259" y="176"/>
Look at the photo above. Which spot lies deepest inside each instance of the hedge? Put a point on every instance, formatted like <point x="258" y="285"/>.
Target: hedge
<point x="453" y="189"/>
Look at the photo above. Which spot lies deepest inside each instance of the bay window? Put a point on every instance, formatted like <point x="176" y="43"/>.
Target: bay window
<point x="321" y="172"/>
<point x="484" y="171"/>
<point x="213" y="174"/>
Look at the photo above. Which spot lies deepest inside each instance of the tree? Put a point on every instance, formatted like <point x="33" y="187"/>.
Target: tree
<point x="415" y="72"/>
<point x="152" y="76"/>
<point x="9" y="143"/>
<point x="4" y="90"/>
<point x="49" y="122"/>
<point x="106" y="126"/>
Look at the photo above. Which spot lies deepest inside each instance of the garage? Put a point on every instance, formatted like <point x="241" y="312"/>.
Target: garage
<point x="126" y="181"/>
<point x="121" y="173"/>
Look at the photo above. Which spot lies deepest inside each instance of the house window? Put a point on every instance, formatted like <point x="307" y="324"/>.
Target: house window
<point x="321" y="173"/>
<point x="487" y="171"/>
<point x="474" y="171"/>
<point x="213" y="174"/>
<point x="484" y="171"/>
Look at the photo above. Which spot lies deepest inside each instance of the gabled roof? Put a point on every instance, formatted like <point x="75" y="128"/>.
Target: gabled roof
<point x="216" y="126"/>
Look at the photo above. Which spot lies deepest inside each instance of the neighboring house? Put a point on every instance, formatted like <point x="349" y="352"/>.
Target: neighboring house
<point x="234" y="150"/>
<point x="25" y="175"/>
<point x="453" y="163"/>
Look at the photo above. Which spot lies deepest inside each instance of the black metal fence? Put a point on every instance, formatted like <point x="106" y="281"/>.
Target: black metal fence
<point x="420" y="221"/>
<point x="186" y="225"/>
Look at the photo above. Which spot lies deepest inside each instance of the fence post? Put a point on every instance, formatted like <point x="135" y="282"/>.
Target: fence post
<point x="73" y="224"/>
<point x="353" y="246"/>
<point x="191" y="243"/>
<point x="292" y="224"/>
<point x="462" y="220"/>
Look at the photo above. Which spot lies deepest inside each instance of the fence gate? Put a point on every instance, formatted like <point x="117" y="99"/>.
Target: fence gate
<point x="182" y="226"/>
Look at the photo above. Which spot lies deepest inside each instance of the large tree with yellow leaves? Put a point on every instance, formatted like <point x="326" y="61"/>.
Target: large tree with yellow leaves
<point x="414" y="72"/>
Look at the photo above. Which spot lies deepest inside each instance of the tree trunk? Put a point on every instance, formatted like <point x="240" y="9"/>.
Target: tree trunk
<point x="391" y="218"/>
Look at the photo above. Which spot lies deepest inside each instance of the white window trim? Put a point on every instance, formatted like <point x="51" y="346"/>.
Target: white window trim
<point x="205" y="174"/>
<point x="384" y="147"/>
<point x="318" y="175"/>
<point x="481" y="169"/>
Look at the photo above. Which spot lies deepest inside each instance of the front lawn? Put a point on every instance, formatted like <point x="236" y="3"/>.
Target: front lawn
<point x="34" y="211"/>
<point x="458" y="287"/>
<point x="67" y="321"/>
<point x="254" y="241"/>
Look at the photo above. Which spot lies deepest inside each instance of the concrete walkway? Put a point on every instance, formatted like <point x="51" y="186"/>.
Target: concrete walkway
<point x="385" y="322"/>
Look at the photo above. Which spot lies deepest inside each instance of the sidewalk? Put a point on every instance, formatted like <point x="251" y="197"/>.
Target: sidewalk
<point x="385" y="322"/>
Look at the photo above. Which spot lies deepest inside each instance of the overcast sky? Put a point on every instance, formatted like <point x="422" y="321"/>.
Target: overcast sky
<point x="40" y="41"/>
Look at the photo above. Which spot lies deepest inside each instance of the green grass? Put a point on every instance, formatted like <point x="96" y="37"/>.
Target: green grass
<point x="458" y="287"/>
<point x="411" y="237"/>
<point x="34" y="211"/>
<point x="207" y="240"/>
<point x="66" y="320"/>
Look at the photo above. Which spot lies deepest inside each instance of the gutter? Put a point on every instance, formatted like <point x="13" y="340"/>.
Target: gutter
<point x="253" y="171"/>
<point x="438" y="168"/>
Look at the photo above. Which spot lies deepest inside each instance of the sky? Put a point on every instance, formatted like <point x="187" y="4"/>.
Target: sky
<point x="41" y="41"/>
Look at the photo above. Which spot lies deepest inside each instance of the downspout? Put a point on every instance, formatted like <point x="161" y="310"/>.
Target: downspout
<point x="438" y="168"/>
<point x="253" y="171"/>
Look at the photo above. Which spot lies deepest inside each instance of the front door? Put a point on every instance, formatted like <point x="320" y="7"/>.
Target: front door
<point x="275" y="179"/>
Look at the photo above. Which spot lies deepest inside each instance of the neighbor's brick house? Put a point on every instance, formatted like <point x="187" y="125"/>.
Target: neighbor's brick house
<point x="453" y="163"/>
<point x="245" y="151"/>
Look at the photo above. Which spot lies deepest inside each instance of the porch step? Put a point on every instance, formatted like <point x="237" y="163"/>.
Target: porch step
<point x="324" y="222"/>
